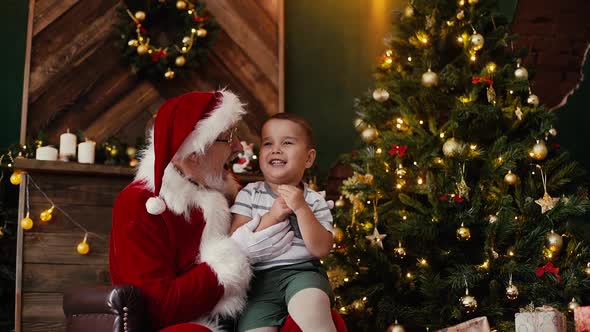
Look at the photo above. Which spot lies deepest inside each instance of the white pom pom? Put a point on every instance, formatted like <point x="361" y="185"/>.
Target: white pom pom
<point x="330" y="204"/>
<point x="155" y="205"/>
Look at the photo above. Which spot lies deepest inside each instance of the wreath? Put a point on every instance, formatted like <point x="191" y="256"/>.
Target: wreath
<point x="163" y="38"/>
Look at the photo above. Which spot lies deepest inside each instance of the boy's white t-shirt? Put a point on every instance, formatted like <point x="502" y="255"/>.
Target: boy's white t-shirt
<point x="257" y="199"/>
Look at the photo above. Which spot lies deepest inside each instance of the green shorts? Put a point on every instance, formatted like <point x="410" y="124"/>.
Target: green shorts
<point x="272" y="289"/>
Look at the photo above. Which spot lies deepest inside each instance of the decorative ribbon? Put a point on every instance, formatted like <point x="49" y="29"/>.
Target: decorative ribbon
<point x="400" y="150"/>
<point x="548" y="268"/>
<point x="456" y="198"/>
<point x="484" y="79"/>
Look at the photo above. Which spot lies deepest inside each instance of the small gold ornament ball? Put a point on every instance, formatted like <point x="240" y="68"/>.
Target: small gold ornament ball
<point x="131" y="151"/>
<point x="573" y="305"/>
<point x="554" y="242"/>
<point x="533" y="100"/>
<point x="540" y="150"/>
<point x="133" y="162"/>
<point x="169" y="74"/>
<point x="468" y="303"/>
<point x="368" y="226"/>
<point x="451" y="148"/>
<point x="521" y="73"/>
<point x="492" y="218"/>
<point x="369" y="135"/>
<point x="139" y="15"/>
<point x="477" y="41"/>
<point x="340" y="202"/>
<point x="133" y="43"/>
<point x="16" y="178"/>
<point x="201" y="33"/>
<point x="360" y="124"/>
<point x="114" y="152"/>
<point x="180" y="5"/>
<point x="587" y="270"/>
<point x="510" y="178"/>
<point x="186" y="40"/>
<point x="338" y="234"/>
<point x="83" y="248"/>
<point x="409" y="11"/>
<point x="399" y="252"/>
<point x="463" y="233"/>
<point x="180" y="61"/>
<point x="473" y="2"/>
<point x="511" y="292"/>
<point x="26" y="223"/>
<point x="553" y="132"/>
<point x="395" y="327"/>
<point x="380" y="95"/>
<point x="142" y="49"/>
<point x="429" y="79"/>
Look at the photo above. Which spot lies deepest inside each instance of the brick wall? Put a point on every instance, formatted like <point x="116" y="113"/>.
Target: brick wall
<point x="557" y="34"/>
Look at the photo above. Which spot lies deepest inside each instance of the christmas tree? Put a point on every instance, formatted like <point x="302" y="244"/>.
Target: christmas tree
<point x="461" y="203"/>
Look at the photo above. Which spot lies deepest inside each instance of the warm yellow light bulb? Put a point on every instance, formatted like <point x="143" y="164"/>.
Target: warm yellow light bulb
<point x="379" y="151"/>
<point x="473" y="58"/>
<point x="473" y="146"/>
<point x="442" y="135"/>
<point x="491" y="67"/>
<point x="47" y="215"/>
<point x="83" y="248"/>
<point x="420" y="181"/>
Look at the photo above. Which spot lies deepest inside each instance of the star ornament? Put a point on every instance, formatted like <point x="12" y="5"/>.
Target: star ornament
<point x="376" y="238"/>
<point x="546" y="202"/>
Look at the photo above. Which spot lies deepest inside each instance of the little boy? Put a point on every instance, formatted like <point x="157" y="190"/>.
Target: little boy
<point x="293" y="283"/>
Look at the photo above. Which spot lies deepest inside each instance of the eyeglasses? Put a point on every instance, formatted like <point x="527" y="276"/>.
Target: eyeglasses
<point x="230" y="139"/>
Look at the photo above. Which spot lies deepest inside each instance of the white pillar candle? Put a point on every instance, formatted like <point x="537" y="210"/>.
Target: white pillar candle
<point x="86" y="152"/>
<point x="46" y="153"/>
<point x="67" y="146"/>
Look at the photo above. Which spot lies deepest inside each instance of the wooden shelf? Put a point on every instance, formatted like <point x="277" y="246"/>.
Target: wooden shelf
<point x="72" y="168"/>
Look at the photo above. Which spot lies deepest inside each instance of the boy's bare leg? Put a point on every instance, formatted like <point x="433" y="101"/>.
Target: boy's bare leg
<point x="310" y="309"/>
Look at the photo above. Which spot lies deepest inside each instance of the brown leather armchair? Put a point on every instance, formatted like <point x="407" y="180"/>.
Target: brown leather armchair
<point x="105" y="308"/>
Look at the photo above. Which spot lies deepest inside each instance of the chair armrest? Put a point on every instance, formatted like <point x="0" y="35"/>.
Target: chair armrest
<point x="105" y="308"/>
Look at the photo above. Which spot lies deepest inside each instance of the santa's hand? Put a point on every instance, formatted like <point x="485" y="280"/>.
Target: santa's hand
<point x="266" y="244"/>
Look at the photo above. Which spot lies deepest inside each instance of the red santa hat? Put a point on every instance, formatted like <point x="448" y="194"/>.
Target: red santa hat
<point x="184" y="125"/>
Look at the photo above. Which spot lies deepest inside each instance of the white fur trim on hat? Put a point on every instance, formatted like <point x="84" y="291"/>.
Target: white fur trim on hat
<point x="155" y="206"/>
<point x="224" y="116"/>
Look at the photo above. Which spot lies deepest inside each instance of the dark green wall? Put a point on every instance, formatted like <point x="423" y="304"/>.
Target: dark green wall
<point x="13" y="31"/>
<point x="330" y="51"/>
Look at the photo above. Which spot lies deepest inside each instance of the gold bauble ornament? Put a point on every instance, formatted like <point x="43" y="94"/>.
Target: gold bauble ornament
<point x="511" y="291"/>
<point x="180" y="5"/>
<point x="340" y="202"/>
<point x="201" y="33"/>
<point x="142" y="49"/>
<point x="477" y="41"/>
<point x="539" y="150"/>
<point x="16" y="178"/>
<point x="492" y="218"/>
<point x="554" y="242"/>
<point x="47" y="215"/>
<point x="369" y="135"/>
<point x="409" y="11"/>
<point x="133" y="162"/>
<point x="380" y="95"/>
<point x="180" y="61"/>
<point x="139" y="15"/>
<point x="83" y="248"/>
<point x="463" y="233"/>
<point x="395" y="327"/>
<point x="399" y="252"/>
<point x="533" y="100"/>
<point x="131" y="151"/>
<point x="473" y="2"/>
<point x="338" y="234"/>
<point x="587" y="270"/>
<point x="133" y="43"/>
<point x="186" y="40"/>
<point x="553" y="132"/>
<point x="511" y="178"/>
<point x="26" y="223"/>
<point x="169" y="74"/>
<point x="429" y="79"/>
<point x="451" y="147"/>
<point x="521" y="73"/>
<point x="114" y="152"/>
<point x="360" y="124"/>
<point x="573" y="305"/>
<point x="468" y="302"/>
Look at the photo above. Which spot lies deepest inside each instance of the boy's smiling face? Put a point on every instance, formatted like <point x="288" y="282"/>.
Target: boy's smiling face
<point x="284" y="152"/>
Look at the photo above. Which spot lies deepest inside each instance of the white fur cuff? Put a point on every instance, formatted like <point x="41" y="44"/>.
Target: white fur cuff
<point x="233" y="271"/>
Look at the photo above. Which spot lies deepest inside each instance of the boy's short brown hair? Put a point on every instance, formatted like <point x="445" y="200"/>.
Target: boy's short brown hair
<point x="297" y="120"/>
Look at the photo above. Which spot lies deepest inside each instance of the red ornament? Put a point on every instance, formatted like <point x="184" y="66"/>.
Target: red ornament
<point x="200" y="19"/>
<point x="242" y="161"/>
<point x="157" y="55"/>
<point x="400" y="150"/>
<point x="354" y="152"/>
<point x="459" y="199"/>
<point x="444" y="197"/>
<point x="485" y="79"/>
<point x="540" y="271"/>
